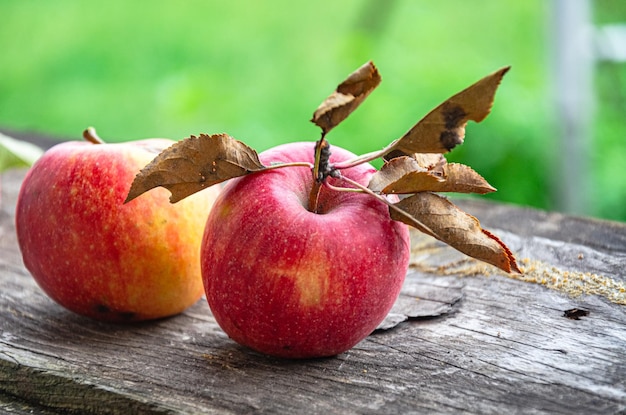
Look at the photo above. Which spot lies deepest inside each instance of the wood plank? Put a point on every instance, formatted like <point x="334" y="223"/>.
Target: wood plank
<point x="504" y="347"/>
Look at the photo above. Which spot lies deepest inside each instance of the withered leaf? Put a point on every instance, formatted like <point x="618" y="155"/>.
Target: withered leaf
<point x="405" y="175"/>
<point x="414" y="182"/>
<point x="456" y="228"/>
<point x="347" y="97"/>
<point x="464" y="179"/>
<point x="399" y="168"/>
<point x="196" y="163"/>
<point x="456" y="177"/>
<point x="444" y="127"/>
<point x="430" y="161"/>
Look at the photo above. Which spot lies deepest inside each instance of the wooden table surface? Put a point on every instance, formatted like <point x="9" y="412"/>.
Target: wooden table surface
<point x="485" y="342"/>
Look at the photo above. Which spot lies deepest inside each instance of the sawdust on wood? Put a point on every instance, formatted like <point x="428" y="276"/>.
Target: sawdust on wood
<point x="430" y="257"/>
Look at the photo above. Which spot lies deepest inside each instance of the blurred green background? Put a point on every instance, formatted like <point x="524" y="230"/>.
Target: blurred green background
<point x="257" y="70"/>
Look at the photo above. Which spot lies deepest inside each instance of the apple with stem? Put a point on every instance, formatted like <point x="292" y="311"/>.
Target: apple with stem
<point x="99" y="257"/>
<point x="306" y="249"/>
<point x="295" y="280"/>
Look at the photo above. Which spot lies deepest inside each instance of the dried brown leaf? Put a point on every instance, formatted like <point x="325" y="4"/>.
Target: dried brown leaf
<point x="394" y="170"/>
<point x="196" y="163"/>
<point x="347" y="97"/>
<point x="463" y="179"/>
<point x="405" y="175"/>
<point x="414" y="182"/>
<point x="444" y="127"/>
<point x="430" y="161"/>
<point x="456" y="178"/>
<point x="454" y="227"/>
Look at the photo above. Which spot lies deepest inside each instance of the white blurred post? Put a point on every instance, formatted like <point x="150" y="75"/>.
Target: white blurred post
<point x="573" y="81"/>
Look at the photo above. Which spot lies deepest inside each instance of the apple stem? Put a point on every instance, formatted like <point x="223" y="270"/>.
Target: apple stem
<point x="317" y="186"/>
<point x="315" y="191"/>
<point x="90" y="135"/>
<point x="319" y="171"/>
<point x="314" y="196"/>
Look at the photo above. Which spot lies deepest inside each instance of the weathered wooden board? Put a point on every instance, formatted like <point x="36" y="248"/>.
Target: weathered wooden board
<point x="503" y="347"/>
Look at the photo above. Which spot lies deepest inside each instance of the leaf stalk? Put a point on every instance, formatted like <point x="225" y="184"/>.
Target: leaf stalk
<point x="365" y="158"/>
<point x="363" y="189"/>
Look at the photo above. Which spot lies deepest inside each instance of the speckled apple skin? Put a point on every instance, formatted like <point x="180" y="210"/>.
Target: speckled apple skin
<point x="295" y="284"/>
<point x="97" y="256"/>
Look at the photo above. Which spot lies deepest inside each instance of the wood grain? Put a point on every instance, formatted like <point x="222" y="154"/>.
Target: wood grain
<point x="503" y="347"/>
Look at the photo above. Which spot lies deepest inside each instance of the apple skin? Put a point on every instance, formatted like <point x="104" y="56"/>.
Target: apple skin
<point x="99" y="257"/>
<point x="295" y="284"/>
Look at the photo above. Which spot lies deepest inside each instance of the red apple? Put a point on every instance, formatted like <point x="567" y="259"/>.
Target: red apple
<point x="98" y="257"/>
<point x="288" y="282"/>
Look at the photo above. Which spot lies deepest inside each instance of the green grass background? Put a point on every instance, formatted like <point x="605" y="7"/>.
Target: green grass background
<point x="257" y="70"/>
